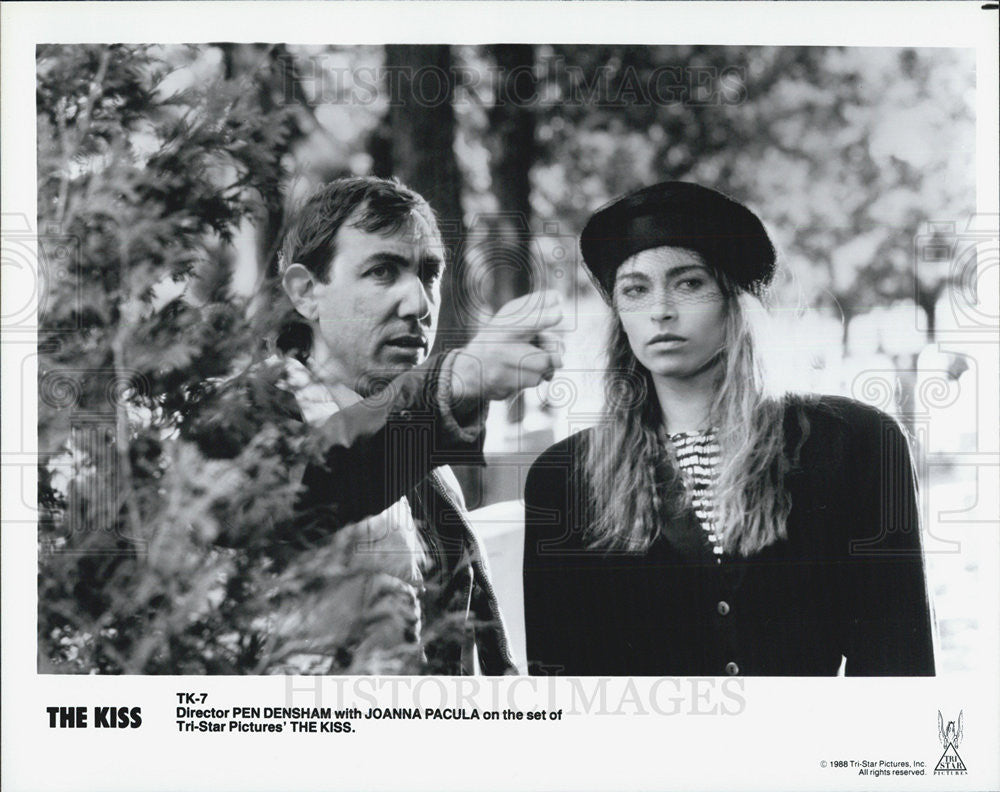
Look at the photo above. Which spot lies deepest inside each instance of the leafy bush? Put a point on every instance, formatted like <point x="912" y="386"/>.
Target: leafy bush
<point x="167" y="478"/>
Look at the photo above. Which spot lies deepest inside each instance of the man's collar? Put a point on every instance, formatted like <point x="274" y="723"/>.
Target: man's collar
<point x="318" y="400"/>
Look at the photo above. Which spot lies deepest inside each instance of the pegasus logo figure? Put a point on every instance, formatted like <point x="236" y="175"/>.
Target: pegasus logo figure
<point x="950" y="735"/>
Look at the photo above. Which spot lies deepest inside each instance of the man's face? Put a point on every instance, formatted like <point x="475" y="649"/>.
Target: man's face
<point x="375" y="316"/>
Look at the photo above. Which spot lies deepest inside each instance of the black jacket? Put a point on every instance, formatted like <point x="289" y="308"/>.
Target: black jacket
<point x="848" y="580"/>
<point x="374" y="453"/>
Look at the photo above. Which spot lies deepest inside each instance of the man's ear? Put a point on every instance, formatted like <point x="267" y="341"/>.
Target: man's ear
<point x="300" y="286"/>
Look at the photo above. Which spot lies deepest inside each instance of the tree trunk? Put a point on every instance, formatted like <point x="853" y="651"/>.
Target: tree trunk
<point x="511" y="142"/>
<point x="417" y="143"/>
<point x="272" y="70"/>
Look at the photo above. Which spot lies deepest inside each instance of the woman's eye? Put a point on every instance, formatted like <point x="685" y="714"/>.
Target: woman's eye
<point x="691" y="284"/>
<point x="633" y="291"/>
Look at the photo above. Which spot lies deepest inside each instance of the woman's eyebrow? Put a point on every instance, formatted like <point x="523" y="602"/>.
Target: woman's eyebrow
<point x="685" y="268"/>
<point x="633" y="276"/>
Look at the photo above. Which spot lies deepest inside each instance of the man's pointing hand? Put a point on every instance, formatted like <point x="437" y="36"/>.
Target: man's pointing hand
<point x="514" y="350"/>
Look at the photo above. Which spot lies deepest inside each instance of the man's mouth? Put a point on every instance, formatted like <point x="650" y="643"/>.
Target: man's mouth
<point x="408" y="342"/>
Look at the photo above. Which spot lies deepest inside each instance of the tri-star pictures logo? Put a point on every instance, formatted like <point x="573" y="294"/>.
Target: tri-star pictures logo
<point x="950" y="762"/>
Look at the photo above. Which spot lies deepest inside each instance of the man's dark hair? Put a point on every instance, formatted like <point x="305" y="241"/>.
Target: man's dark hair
<point x="381" y="206"/>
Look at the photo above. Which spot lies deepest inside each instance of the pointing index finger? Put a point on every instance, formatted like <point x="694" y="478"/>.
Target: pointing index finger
<point x="546" y="313"/>
<point x="531" y="312"/>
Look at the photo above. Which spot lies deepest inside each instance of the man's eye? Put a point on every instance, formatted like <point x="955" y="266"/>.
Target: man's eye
<point x="380" y="272"/>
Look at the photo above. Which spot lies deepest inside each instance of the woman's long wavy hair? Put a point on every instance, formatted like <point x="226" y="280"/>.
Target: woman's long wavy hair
<point x="634" y="484"/>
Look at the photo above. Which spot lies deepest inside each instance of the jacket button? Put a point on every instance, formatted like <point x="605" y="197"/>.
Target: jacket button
<point x="732" y="669"/>
<point x="722" y="608"/>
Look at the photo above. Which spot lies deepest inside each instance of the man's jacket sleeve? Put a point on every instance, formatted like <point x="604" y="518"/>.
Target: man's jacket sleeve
<point x="372" y="453"/>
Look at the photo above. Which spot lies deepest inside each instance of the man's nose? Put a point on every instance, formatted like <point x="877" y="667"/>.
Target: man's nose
<point x="415" y="301"/>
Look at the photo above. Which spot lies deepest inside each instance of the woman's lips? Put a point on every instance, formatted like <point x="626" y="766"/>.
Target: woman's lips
<point x="666" y="340"/>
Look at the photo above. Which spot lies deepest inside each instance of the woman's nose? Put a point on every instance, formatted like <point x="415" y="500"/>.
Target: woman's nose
<point x="662" y="306"/>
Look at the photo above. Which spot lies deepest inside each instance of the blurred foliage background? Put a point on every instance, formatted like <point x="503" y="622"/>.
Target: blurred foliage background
<point x="165" y="177"/>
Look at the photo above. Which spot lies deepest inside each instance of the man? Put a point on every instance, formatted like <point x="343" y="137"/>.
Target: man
<point x="362" y="265"/>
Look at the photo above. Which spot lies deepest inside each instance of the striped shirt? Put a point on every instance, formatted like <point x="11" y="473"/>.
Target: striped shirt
<point x="698" y="458"/>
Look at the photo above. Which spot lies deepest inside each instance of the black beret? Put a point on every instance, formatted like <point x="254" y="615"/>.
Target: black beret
<point x="728" y="236"/>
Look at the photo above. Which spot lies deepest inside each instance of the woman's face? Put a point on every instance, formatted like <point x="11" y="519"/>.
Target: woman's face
<point x="673" y="311"/>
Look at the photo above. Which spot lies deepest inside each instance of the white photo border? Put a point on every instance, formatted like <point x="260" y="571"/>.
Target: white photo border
<point x="765" y="733"/>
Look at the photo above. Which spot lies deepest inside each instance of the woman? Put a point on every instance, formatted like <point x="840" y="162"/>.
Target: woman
<point x="708" y="525"/>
